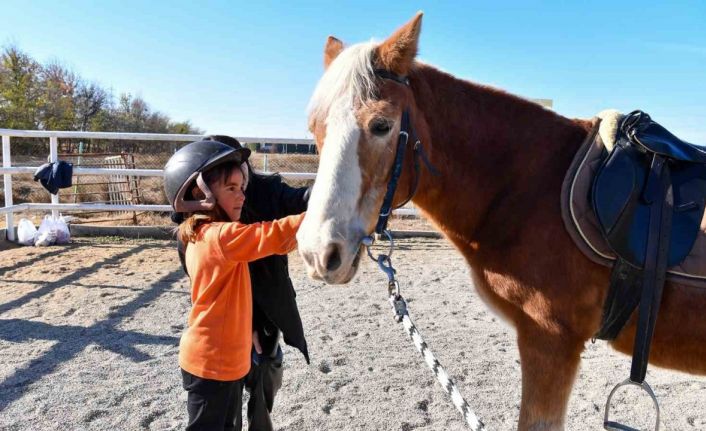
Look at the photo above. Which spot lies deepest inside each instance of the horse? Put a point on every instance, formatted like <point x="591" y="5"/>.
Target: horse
<point x="501" y="161"/>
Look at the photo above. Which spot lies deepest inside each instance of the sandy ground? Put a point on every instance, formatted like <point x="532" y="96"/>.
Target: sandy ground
<point x="89" y="335"/>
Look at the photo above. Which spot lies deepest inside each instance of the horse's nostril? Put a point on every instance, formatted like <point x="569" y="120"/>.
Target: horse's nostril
<point x="332" y="258"/>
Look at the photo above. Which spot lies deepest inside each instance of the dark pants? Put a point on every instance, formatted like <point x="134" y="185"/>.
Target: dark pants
<point x="263" y="382"/>
<point x="213" y="405"/>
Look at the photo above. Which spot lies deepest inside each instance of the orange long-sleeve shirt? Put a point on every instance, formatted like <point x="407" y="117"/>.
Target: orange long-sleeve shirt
<point x="217" y="342"/>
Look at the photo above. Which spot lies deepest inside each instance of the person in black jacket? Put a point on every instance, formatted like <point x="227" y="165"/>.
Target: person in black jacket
<point x="268" y="198"/>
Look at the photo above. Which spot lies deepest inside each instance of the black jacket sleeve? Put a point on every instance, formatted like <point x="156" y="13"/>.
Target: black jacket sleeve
<point x="293" y="200"/>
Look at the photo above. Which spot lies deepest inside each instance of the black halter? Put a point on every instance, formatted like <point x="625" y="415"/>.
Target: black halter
<point x="406" y="132"/>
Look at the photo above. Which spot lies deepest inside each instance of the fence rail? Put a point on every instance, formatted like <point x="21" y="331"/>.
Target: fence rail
<point x="8" y="170"/>
<point x="137" y="172"/>
<point x="140" y="136"/>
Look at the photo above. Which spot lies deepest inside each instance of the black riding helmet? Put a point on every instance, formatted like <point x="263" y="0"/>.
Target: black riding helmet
<point x="186" y="166"/>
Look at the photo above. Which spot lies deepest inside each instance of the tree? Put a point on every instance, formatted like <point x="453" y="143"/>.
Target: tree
<point x="89" y="101"/>
<point x="183" y="128"/>
<point x="20" y="90"/>
<point x="52" y="97"/>
<point x="57" y="110"/>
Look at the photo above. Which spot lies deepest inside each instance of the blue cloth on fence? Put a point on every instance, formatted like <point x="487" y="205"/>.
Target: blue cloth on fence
<point x="54" y="176"/>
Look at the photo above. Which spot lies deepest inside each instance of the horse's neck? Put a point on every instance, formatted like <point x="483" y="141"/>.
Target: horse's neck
<point x="496" y="153"/>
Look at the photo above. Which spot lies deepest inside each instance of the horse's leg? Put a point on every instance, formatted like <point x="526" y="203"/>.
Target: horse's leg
<point x="549" y="364"/>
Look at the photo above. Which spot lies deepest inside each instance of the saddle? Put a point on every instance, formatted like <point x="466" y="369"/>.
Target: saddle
<point x="648" y="196"/>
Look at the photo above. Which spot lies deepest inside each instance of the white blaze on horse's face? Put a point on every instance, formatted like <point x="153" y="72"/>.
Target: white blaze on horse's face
<point x="332" y="229"/>
<point x="355" y="125"/>
<point x="330" y="235"/>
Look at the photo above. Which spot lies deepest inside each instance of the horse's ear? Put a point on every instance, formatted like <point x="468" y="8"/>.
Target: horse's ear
<point x="331" y="50"/>
<point x="397" y="53"/>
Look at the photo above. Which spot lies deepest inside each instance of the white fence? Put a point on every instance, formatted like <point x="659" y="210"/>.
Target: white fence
<point x="8" y="170"/>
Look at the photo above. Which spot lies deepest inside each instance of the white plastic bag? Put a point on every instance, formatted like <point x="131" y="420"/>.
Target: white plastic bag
<point x="53" y="230"/>
<point x="46" y="234"/>
<point x="26" y="232"/>
<point x="63" y="235"/>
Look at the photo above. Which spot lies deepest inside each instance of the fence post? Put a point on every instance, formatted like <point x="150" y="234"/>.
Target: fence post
<point x="265" y="164"/>
<point x="6" y="163"/>
<point x="54" y="157"/>
<point x="78" y="177"/>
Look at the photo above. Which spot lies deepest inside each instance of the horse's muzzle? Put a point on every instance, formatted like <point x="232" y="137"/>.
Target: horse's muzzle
<point x="334" y="263"/>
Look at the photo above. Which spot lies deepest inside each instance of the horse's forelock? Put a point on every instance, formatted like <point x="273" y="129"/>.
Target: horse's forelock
<point x="350" y="78"/>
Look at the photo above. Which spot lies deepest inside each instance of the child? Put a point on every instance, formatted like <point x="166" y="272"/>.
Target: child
<point x="206" y="180"/>
<point x="275" y="311"/>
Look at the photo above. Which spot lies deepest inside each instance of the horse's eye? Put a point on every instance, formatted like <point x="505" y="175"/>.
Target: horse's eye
<point x="380" y="127"/>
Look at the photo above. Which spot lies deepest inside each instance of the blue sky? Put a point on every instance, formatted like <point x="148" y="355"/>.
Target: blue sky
<point x="248" y="68"/>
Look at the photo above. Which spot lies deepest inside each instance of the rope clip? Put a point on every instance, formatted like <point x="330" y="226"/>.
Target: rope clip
<point x="399" y="307"/>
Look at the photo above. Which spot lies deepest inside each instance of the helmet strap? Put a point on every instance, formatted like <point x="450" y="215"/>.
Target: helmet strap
<point x="205" y="204"/>
<point x="209" y="200"/>
<point x="246" y="174"/>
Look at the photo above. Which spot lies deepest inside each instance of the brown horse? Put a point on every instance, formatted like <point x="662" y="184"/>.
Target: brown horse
<point x="502" y="161"/>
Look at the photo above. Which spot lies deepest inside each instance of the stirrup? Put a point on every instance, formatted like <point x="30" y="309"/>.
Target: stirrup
<point x="615" y="426"/>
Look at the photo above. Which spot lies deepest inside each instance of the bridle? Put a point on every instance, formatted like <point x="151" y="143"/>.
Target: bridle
<point x="403" y="139"/>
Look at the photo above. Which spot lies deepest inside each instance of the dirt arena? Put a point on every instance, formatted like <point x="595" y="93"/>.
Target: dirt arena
<point x="89" y="336"/>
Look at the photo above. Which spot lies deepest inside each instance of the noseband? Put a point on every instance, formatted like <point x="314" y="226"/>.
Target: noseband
<point x="406" y="131"/>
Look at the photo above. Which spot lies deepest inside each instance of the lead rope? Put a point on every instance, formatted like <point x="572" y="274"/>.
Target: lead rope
<point x="399" y="307"/>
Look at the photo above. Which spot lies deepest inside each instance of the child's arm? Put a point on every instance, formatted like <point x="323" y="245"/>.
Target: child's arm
<point x="248" y="242"/>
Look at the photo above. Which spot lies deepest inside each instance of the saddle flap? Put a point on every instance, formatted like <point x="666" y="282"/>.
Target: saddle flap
<point x="617" y="191"/>
<point x="614" y="189"/>
<point x="623" y="213"/>
<point x="689" y="187"/>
